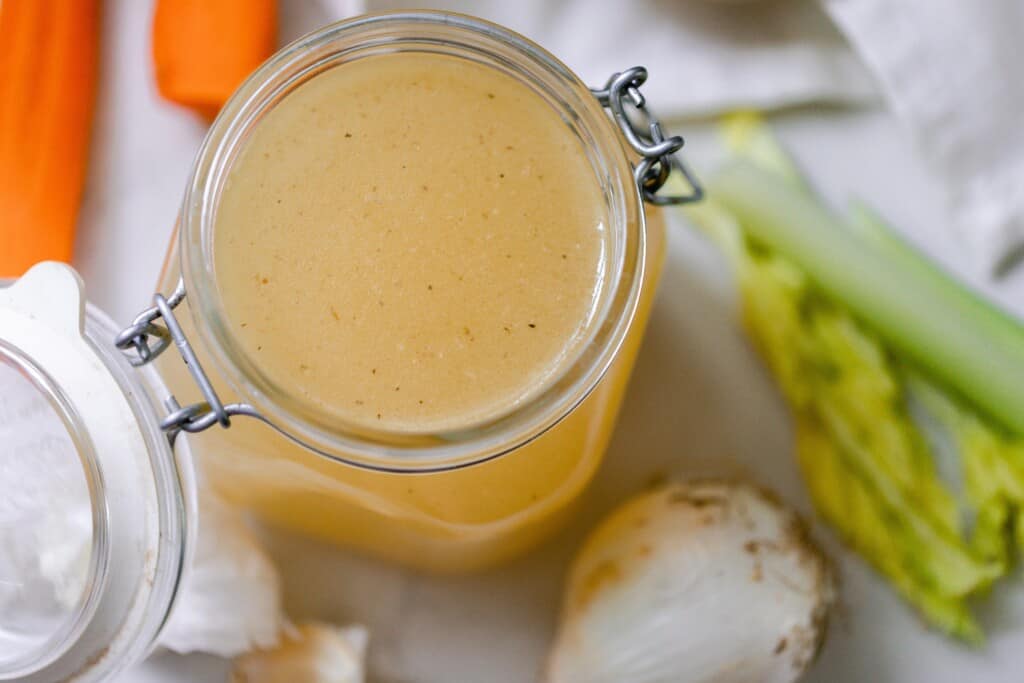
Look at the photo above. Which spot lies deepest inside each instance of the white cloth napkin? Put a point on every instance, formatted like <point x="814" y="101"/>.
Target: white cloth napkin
<point x="951" y="71"/>
<point x="703" y="57"/>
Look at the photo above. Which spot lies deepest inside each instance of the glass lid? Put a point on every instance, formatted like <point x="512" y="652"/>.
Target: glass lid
<point x="51" y="517"/>
<point x="93" y="529"/>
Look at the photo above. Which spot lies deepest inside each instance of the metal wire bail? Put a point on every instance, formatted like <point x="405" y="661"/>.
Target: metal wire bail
<point x="643" y="131"/>
<point x="146" y="338"/>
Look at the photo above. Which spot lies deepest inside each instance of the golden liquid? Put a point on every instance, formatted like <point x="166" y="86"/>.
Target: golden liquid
<point x="327" y="258"/>
<point x="411" y="242"/>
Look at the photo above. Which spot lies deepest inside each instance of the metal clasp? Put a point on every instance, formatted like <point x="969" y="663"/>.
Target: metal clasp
<point x="642" y="130"/>
<point x="146" y="338"/>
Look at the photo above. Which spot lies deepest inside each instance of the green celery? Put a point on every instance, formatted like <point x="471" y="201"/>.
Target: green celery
<point x="971" y="348"/>
<point x="827" y="304"/>
<point x="993" y="466"/>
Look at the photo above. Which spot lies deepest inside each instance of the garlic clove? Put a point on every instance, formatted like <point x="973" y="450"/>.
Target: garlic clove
<point x="311" y="653"/>
<point x="704" y="582"/>
<point x="230" y="602"/>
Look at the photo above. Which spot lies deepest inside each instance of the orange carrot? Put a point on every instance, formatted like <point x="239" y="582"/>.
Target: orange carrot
<point x="204" y="49"/>
<point x="48" y="54"/>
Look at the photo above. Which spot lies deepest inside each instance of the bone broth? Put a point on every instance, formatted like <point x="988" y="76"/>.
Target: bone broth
<point x="408" y="248"/>
<point x="411" y="241"/>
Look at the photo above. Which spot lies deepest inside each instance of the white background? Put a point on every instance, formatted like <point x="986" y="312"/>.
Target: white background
<point x="699" y="403"/>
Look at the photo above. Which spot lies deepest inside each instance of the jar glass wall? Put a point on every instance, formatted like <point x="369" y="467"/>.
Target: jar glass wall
<point x="450" y="500"/>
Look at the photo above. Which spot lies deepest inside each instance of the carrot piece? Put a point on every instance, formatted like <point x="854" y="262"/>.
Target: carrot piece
<point x="48" y="54"/>
<point x="204" y="49"/>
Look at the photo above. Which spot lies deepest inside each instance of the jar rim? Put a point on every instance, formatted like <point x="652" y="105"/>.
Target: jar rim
<point x="389" y="32"/>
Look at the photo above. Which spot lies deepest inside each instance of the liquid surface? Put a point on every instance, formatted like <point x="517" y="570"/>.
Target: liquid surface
<point x="410" y="242"/>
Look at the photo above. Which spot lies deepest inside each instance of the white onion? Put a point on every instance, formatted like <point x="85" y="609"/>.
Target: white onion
<point x="694" y="583"/>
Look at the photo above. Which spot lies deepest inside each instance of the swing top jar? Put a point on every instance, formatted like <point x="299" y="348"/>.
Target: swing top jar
<point x="410" y="279"/>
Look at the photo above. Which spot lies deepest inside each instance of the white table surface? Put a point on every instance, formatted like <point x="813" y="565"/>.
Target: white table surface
<point x="699" y="403"/>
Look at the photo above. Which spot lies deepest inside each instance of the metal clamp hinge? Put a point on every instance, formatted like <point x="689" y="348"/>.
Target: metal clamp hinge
<point x="146" y="338"/>
<point x="622" y="96"/>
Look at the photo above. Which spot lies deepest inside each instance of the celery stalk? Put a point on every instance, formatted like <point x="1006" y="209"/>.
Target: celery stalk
<point x="745" y="135"/>
<point x="874" y="230"/>
<point x="970" y="348"/>
<point x="993" y="467"/>
<point x="865" y="464"/>
<point x="835" y="309"/>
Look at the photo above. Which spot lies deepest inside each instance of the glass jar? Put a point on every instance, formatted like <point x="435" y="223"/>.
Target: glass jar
<point x="454" y="500"/>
